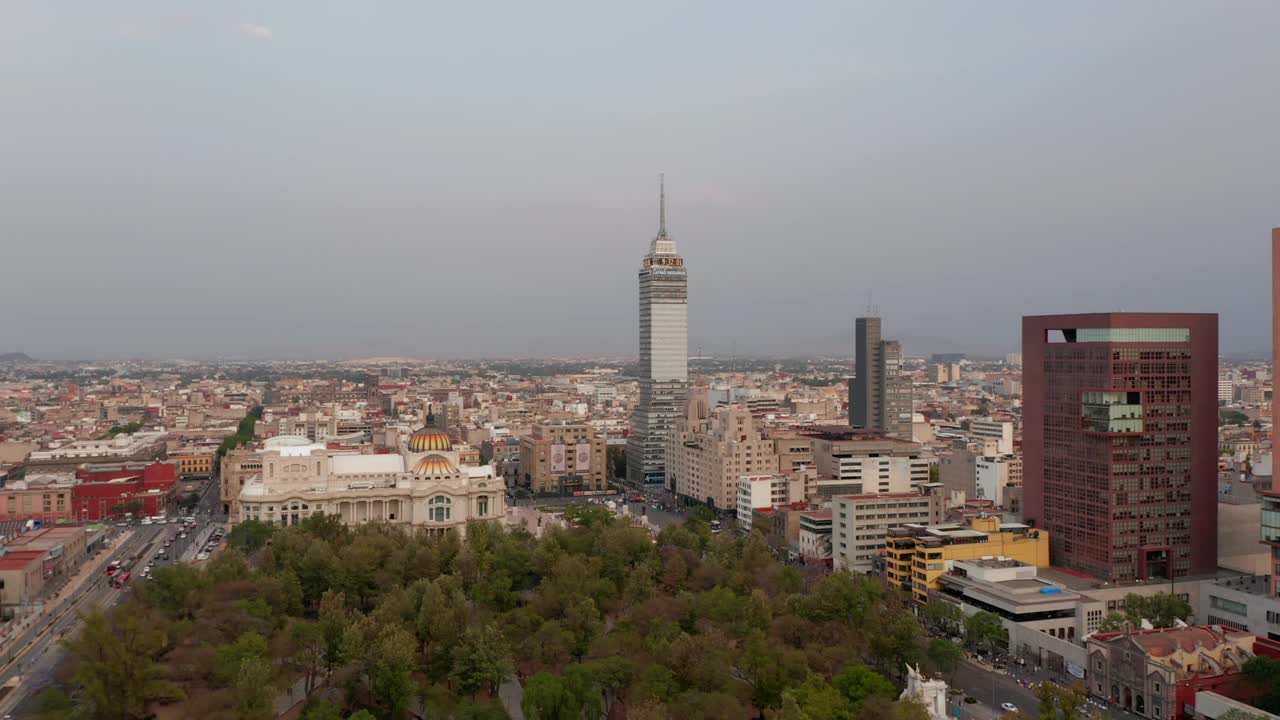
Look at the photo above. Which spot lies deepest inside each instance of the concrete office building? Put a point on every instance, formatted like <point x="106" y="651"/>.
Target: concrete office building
<point x="997" y="431"/>
<point x="856" y="462"/>
<point x="1242" y="602"/>
<point x="993" y="475"/>
<point x="958" y="472"/>
<point x="880" y="395"/>
<point x="860" y="523"/>
<point x="664" y="354"/>
<point x="1120" y="441"/>
<point x="563" y="457"/>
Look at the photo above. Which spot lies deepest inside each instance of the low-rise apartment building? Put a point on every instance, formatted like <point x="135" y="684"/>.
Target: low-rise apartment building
<point x="766" y="491"/>
<point x="46" y="498"/>
<point x="193" y="463"/>
<point x="917" y="555"/>
<point x="815" y="536"/>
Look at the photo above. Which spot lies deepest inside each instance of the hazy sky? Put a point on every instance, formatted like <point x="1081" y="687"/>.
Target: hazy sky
<point x="480" y="178"/>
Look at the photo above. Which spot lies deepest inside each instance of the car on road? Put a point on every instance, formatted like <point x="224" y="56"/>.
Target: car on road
<point x="1008" y="707"/>
<point x="202" y="556"/>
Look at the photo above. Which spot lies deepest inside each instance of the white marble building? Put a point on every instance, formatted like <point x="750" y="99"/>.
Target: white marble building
<point x="422" y="485"/>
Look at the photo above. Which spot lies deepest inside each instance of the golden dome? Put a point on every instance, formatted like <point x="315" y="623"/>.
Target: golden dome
<point x="430" y="441"/>
<point x="434" y="466"/>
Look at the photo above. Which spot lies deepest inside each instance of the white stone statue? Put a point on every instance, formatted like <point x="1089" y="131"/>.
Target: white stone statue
<point x="931" y="692"/>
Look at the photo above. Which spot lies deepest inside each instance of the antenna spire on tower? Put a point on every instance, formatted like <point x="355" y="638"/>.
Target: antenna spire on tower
<point x="662" y="205"/>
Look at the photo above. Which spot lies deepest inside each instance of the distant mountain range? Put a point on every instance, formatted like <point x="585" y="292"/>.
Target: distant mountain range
<point x="15" y="358"/>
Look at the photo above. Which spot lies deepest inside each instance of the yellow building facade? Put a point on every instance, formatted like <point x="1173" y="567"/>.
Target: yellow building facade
<point x="917" y="555"/>
<point x="193" y="462"/>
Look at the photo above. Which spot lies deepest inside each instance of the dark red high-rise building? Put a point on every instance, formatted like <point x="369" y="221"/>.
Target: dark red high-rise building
<point x="1120" y="441"/>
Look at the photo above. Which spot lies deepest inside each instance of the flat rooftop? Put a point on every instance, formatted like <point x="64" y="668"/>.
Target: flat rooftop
<point x="995" y="562"/>
<point x="19" y="559"/>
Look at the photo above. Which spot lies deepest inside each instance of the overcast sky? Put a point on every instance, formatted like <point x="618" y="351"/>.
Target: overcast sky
<point x="306" y="178"/>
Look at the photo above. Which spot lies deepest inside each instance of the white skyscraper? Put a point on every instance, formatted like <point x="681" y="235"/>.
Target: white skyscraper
<point x="664" y="353"/>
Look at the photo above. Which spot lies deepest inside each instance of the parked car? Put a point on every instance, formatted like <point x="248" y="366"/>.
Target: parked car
<point x="1008" y="707"/>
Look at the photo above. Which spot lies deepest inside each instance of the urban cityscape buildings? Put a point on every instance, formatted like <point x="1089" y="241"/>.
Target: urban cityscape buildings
<point x="664" y="354"/>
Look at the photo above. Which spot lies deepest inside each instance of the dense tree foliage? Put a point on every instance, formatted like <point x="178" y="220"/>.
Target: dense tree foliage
<point x="596" y="618"/>
<point x="943" y="616"/>
<point x="945" y="656"/>
<point x="243" y="433"/>
<point x="1263" y="673"/>
<point x="1162" y="610"/>
<point x="986" y="630"/>
<point x="127" y="428"/>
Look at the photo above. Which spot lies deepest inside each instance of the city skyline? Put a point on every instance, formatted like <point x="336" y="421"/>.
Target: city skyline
<point x="335" y="381"/>
<point x="805" y="156"/>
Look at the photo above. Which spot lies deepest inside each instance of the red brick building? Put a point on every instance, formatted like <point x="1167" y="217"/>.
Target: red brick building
<point x="108" y="492"/>
<point x="1120" y="441"/>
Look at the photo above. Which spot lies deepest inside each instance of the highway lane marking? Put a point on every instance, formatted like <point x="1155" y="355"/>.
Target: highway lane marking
<point x="15" y="694"/>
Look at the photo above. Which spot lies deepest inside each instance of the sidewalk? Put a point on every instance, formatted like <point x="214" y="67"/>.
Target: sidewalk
<point x="67" y="590"/>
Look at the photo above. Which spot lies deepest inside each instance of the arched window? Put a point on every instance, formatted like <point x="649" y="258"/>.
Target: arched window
<point x="439" y="509"/>
<point x="482" y="506"/>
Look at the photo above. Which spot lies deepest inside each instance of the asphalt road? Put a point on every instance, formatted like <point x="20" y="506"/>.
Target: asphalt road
<point x="990" y="689"/>
<point x="34" y="655"/>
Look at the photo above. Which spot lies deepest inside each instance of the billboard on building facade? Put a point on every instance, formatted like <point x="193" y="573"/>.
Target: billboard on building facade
<point x="558" y="464"/>
<point x="583" y="460"/>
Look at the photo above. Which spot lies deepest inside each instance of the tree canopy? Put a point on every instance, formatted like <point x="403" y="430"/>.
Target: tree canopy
<point x="1162" y="610"/>
<point x="595" y="615"/>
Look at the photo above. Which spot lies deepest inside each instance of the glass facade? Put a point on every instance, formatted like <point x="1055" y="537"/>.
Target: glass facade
<point x="1116" y="335"/>
<point x="1112" y="412"/>
<point x="1271" y="520"/>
